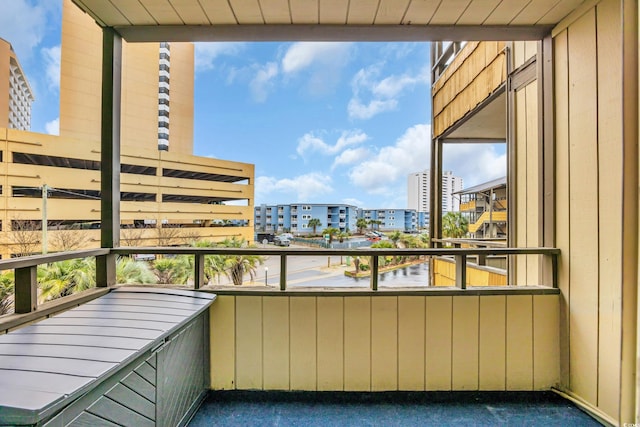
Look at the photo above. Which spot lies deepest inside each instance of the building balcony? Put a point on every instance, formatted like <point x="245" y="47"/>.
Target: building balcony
<point x="285" y="339"/>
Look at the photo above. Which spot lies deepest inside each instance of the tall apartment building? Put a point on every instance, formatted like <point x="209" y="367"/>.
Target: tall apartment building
<point x="295" y="218"/>
<point x="16" y="95"/>
<point x="419" y="193"/>
<point x="163" y="185"/>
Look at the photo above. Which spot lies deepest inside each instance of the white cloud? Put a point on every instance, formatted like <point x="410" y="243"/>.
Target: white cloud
<point x="352" y="201"/>
<point x="207" y="53"/>
<point x="52" y="63"/>
<point x="25" y="33"/>
<point x="303" y="188"/>
<point x="53" y="127"/>
<point x="262" y="82"/>
<point x="350" y="156"/>
<point x="475" y="163"/>
<point x="303" y="55"/>
<point x="358" y="110"/>
<point x="310" y="143"/>
<point x="380" y="174"/>
<point x="382" y="93"/>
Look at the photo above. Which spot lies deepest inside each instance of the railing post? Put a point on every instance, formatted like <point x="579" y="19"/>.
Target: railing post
<point x="374" y="272"/>
<point x="26" y="290"/>
<point x="461" y="271"/>
<point x="198" y="273"/>
<point x="554" y="270"/>
<point x="283" y="272"/>
<point x="106" y="270"/>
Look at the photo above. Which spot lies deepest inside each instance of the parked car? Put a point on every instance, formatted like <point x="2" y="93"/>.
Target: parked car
<point x="281" y="241"/>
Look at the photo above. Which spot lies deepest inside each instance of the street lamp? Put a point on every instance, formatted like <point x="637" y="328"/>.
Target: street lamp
<point x="266" y="271"/>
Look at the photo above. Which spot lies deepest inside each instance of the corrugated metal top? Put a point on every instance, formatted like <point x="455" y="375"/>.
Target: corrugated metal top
<point x="67" y="355"/>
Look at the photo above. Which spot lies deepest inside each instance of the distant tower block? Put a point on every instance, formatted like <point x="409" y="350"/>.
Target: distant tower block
<point x="164" y="76"/>
<point x="16" y="95"/>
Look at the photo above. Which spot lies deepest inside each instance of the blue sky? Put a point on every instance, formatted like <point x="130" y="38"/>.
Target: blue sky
<point x="322" y="122"/>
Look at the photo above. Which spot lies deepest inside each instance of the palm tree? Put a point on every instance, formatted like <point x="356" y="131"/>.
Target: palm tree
<point x="130" y="272"/>
<point x="176" y="271"/>
<point x="314" y="223"/>
<point x="331" y="231"/>
<point x="6" y="292"/>
<point x="395" y="237"/>
<point x="236" y="266"/>
<point x="361" y="223"/>
<point x="454" y="225"/>
<point x="375" y="222"/>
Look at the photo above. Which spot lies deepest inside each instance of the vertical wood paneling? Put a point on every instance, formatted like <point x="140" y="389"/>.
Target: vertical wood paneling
<point x="222" y="342"/>
<point x="532" y="182"/>
<point x="411" y="343"/>
<point x="330" y="343"/>
<point x="546" y="341"/>
<point x="438" y="340"/>
<point x="357" y="343"/>
<point x="563" y="222"/>
<point x="464" y="366"/>
<point x="519" y="342"/>
<point x="249" y="342"/>
<point x="492" y="342"/>
<point x="275" y="332"/>
<point x="384" y="343"/>
<point x="303" y="343"/>
<point x="609" y="202"/>
<point x="521" y="183"/>
<point x="583" y="199"/>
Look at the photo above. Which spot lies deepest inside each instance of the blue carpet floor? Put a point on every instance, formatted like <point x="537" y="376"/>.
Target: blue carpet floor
<point x="240" y="408"/>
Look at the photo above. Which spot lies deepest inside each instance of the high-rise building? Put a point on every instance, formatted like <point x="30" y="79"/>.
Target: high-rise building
<point x="17" y="96"/>
<point x="419" y="193"/>
<point x="157" y="78"/>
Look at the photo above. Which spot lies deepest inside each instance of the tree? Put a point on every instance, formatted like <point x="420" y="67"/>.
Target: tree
<point x="172" y="271"/>
<point x="236" y="266"/>
<point x="361" y="223"/>
<point x="6" y="292"/>
<point x="331" y="231"/>
<point x="395" y="237"/>
<point x="375" y="222"/>
<point x="314" y="223"/>
<point x="25" y="236"/>
<point x="167" y="236"/>
<point x="454" y="225"/>
<point x="69" y="239"/>
<point x="132" y="236"/>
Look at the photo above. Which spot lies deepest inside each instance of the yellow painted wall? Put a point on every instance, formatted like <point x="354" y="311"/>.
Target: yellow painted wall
<point x="456" y="93"/>
<point x="80" y="86"/>
<point x="528" y="226"/>
<point x="589" y="183"/>
<point x="23" y="175"/>
<point x="376" y="343"/>
<point x="444" y="274"/>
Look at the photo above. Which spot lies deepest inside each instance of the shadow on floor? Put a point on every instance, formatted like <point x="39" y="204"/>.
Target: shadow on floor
<point x="258" y="408"/>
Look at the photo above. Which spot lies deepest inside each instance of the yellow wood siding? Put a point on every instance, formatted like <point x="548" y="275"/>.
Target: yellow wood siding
<point x="589" y="182"/>
<point x="378" y="343"/>
<point x="477" y="71"/>
<point x="444" y="274"/>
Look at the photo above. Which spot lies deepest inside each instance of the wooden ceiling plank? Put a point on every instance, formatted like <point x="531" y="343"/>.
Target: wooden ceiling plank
<point x="276" y="11"/>
<point x="506" y="11"/>
<point x="449" y="12"/>
<point x="162" y="11"/>
<point x="561" y="10"/>
<point x="218" y="12"/>
<point x="106" y="12"/>
<point x="534" y="11"/>
<point x="247" y="11"/>
<point x="134" y="12"/>
<point x="391" y="11"/>
<point x="333" y="11"/>
<point x="420" y="12"/>
<point x="477" y="12"/>
<point x="362" y="12"/>
<point x="304" y="11"/>
<point x="190" y="12"/>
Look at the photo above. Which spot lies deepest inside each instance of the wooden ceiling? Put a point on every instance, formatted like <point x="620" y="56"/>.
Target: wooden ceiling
<point x="210" y="20"/>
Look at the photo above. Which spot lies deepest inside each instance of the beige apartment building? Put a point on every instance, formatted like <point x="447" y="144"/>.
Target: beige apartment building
<point x="16" y="95"/>
<point x="169" y="196"/>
